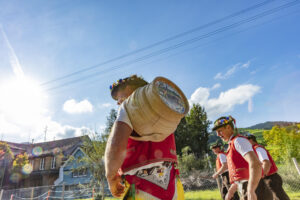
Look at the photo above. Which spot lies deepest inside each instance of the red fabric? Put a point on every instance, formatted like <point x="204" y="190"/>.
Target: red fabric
<point x="140" y="153"/>
<point x="155" y="190"/>
<point x="237" y="166"/>
<point x="218" y="161"/>
<point x="273" y="168"/>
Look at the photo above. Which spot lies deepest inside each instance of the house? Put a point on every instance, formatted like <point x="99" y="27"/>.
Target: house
<point x="49" y="163"/>
<point x="69" y="176"/>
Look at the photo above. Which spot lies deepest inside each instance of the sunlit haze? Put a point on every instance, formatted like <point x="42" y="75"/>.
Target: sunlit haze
<point x="22" y="101"/>
<point x="58" y="59"/>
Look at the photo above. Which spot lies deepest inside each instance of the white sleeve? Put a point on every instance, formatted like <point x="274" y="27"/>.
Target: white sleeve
<point x="122" y="116"/>
<point x="222" y="158"/>
<point x="242" y="145"/>
<point x="262" y="154"/>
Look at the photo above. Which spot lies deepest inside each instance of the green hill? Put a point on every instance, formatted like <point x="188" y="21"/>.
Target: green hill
<point x="268" y="125"/>
<point x="257" y="132"/>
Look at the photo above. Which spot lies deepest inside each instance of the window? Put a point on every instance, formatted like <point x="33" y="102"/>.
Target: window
<point x="53" y="163"/>
<point x="42" y="163"/>
<point x="79" y="173"/>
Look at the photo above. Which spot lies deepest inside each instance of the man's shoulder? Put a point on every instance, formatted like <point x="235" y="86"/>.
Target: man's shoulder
<point x="241" y="139"/>
<point x="260" y="148"/>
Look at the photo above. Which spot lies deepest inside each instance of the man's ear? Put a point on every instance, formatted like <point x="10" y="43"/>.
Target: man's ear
<point x="129" y="88"/>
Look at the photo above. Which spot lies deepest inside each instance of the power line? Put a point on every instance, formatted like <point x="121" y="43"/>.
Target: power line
<point x="161" y="42"/>
<point x="184" y="43"/>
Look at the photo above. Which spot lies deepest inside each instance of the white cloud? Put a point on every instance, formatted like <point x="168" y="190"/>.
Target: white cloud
<point x="105" y="105"/>
<point x="218" y="76"/>
<point x="232" y="70"/>
<point x="57" y="130"/>
<point x="73" y="107"/>
<point x="217" y="85"/>
<point x="200" y="95"/>
<point x="14" y="130"/>
<point x="226" y="101"/>
<point x="250" y="105"/>
<point x="245" y="65"/>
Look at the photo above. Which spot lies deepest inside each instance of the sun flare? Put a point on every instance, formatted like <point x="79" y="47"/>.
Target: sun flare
<point x="22" y="100"/>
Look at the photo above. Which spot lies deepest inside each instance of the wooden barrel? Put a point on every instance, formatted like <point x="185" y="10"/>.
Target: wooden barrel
<point x="156" y="109"/>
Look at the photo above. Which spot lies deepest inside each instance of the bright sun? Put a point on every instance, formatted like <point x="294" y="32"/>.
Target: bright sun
<point x="22" y="100"/>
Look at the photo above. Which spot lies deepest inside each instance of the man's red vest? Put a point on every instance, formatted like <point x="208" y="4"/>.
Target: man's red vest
<point x="237" y="166"/>
<point x="218" y="161"/>
<point x="141" y="153"/>
<point x="273" y="168"/>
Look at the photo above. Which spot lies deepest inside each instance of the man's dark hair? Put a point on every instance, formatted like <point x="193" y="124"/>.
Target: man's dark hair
<point x="133" y="81"/>
<point x="252" y="137"/>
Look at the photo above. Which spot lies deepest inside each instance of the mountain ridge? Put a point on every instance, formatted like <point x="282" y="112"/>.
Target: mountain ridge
<point x="269" y="124"/>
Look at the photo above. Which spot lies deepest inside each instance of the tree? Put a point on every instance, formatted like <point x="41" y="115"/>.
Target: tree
<point x="181" y="136"/>
<point x="20" y="161"/>
<point x="6" y="157"/>
<point x="19" y="169"/>
<point x="110" y="121"/>
<point x="283" y="143"/>
<point x="5" y="151"/>
<point x="193" y="131"/>
<point x="187" y="161"/>
<point x="95" y="148"/>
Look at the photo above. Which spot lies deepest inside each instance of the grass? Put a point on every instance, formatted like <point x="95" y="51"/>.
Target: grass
<point x="215" y="195"/>
<point x="199" y="195"/>
<point x="293" y="195"/>
<point x="203" y="195"/>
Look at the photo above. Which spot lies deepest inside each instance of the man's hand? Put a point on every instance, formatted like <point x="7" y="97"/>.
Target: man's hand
<point x="115" y="186"/>
<point x="215" y="175"/>
<point x="251" y="195"/>
<point x="231" y="191"/>
<point x="228" y="196"/>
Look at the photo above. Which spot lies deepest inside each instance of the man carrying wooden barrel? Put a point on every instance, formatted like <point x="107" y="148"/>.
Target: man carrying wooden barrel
<point x="270" y="176"/>
<point x="148" y="167"/>
<point x="244" y="168"/>
<point x="222" y="169"/>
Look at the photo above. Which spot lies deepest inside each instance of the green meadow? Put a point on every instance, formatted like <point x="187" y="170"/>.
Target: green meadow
<point x="215" y="195"/>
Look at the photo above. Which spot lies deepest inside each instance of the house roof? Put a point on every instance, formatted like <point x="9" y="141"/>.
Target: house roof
<point x="64" y="146"/>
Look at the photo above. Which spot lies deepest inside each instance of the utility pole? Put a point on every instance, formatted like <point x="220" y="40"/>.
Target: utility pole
<point x="45" y="131"/>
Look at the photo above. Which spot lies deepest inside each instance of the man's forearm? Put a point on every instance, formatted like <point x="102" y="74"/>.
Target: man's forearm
<point x="222" y="169"/>
<point x="255" y="171"/>
<point x="113" y="159"/>
<point x="266" y="165"/>
<point x="115" y="151"/>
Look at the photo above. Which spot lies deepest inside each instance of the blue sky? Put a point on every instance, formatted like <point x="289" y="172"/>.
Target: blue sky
<point x="247" y="69"/>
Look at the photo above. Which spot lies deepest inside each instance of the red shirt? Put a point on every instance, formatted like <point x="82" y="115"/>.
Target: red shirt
<point x="273" y="168"/>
